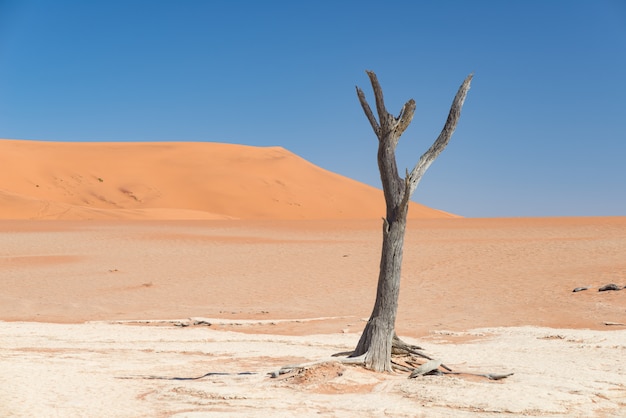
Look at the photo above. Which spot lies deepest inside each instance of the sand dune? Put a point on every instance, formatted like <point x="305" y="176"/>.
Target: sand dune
<point x="175" y="180"/>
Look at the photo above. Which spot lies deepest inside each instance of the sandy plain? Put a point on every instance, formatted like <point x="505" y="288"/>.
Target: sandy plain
<point x="484" y="295"/>
<point x="165" y="305"/>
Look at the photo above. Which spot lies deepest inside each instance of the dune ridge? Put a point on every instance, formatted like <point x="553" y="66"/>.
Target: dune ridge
<point x="177" y="180"/>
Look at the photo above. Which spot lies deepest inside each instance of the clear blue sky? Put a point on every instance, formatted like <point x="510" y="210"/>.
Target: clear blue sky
<point x="543" y="131"/>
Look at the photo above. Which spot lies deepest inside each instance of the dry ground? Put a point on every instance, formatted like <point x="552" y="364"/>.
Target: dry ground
<point x="491" y="295"/>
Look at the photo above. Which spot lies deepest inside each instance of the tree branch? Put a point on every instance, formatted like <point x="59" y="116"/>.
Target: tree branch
<point x="444" y="137"/>
<point x="383" y="115"/>
<point x="405" y="117"/>
<point x="368" y="111"/>
<point x="406" y="195"/>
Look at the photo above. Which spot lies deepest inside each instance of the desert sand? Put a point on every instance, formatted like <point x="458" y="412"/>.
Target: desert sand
<point x="112" y="305"/>
<point x="176" y="180"/>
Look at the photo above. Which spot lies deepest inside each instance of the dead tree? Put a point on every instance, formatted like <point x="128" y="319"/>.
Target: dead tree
<point x="379" y="338"/>
<point x="379" y="341"/>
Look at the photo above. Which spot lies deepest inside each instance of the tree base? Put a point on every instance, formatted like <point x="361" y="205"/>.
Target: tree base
<point x="405" y="358"/>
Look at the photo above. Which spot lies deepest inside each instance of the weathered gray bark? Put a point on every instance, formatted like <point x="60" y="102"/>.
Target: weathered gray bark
<point x="378" y="336"/>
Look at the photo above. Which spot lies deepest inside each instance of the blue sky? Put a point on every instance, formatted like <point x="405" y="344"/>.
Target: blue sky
<point x="542" y="133"/>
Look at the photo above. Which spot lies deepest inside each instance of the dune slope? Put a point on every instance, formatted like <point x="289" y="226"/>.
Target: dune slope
<point x="177" y="180"/>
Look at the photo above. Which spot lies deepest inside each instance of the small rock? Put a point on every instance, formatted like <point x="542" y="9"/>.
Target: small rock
<point x="495" y="376"/>
<point x="201" y="322"/>
<point x="610" y="286"/>
<point x="580" y="289"/>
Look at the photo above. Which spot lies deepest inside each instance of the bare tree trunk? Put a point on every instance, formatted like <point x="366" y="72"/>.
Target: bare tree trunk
<point x="377" y="339"/>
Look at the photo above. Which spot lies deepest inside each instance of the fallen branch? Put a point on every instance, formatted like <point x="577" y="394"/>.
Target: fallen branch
<point x="153" y="377"/>
<point x="490" y="376"/>
<point x="296" y="368"/>
<point x="425" y="368"/>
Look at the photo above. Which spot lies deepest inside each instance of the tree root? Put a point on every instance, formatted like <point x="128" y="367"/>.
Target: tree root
<point x="405" y="358"/>
<point x="297" y="368"/>
<point x="399" y="347"/>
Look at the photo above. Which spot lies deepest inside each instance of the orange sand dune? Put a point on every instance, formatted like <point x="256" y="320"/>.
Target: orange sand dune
<point x="176" y="180"/>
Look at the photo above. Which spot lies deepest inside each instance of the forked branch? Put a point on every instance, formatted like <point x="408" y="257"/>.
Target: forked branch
<point x="405" y="117"/>
<point x="383" y="115"/>
<point x="387" y="127"/>
<point x="368" y="112"/>
<point x="444" y="137"/>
